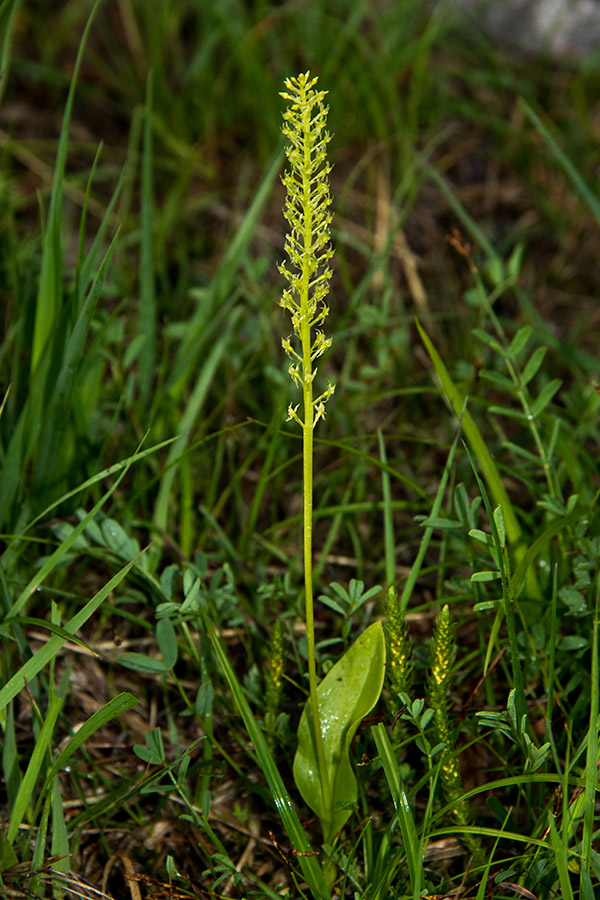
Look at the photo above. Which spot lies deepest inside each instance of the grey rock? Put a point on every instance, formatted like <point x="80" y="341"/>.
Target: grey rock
<point x="561" y="28"/>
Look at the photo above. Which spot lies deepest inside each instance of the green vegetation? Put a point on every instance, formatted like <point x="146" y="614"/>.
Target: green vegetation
<point x="169" y="640"/>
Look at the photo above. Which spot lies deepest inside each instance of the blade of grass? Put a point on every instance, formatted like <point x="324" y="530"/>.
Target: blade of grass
<point x="388" y="519"/>
<point x="272" y="439"/>
<point x="37" y="756"/>
<point x="561" y="858"/>
<point x="190" y="415"/>
<point x="64" y="546"/>
<point x="509" y="599"/>
<point x="534" y="549"/>
<point x="60" y="837"/>
<point x="460" y="212"/>
<point x="108" y="472"/>
<point x="390" y="470"/>
<point x="310" y="867"/>
<point x="57" y="412"/>
<point x="553" y="639"/>
<point x="583" y="189"/>
<point x="221" y="288"/>
<point x="486" y="463"/>
<point x="46" y="653"/>
<point x="8" y="14"/>
<point x="50" y="283"/>
<point x="83" y="221"/>
<point x="410" y="837"/>
<point x="484" y="458"/>
<point x="483" y="883"/>
<point x="147" y="308"/>
<point x="111" y="710"/>
<point x="435" y="511"/>
<point x="10" y="757"/>
<point x="87" y="266"/>
<point x="591" y="766"/>
<point x="339" y="519"/>
<point x="51" y="327"/>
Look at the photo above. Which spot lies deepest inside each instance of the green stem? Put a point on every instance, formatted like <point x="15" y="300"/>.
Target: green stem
<point x="309" y="601"/>
<point x="307" y="453"/>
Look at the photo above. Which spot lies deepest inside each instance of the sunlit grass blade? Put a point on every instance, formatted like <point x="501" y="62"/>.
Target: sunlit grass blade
<point x="28" y="783"/>
<point x="410" y="836"/>
<point x="310" y="867"/>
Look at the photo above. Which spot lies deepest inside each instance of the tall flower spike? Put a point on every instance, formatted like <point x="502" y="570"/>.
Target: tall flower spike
<point x="308" y="243"/>
<point x="307" y="273"/>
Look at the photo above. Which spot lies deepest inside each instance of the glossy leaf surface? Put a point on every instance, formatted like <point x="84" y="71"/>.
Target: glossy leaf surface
<point x="346" y="695"/>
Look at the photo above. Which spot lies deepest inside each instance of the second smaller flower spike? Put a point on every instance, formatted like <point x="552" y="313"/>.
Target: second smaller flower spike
<point x="399" y="668"/>
<point x="441" y="661"/>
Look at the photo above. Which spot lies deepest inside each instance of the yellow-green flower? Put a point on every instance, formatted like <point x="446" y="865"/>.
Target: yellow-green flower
<point x="441" y="662"/>
<point x="398" y="648"/>
<point x="274" y="679"/>
<point x="308" y="243"/>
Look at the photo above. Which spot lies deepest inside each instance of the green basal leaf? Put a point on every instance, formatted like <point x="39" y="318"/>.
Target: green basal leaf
<point x="346" y="695"/>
